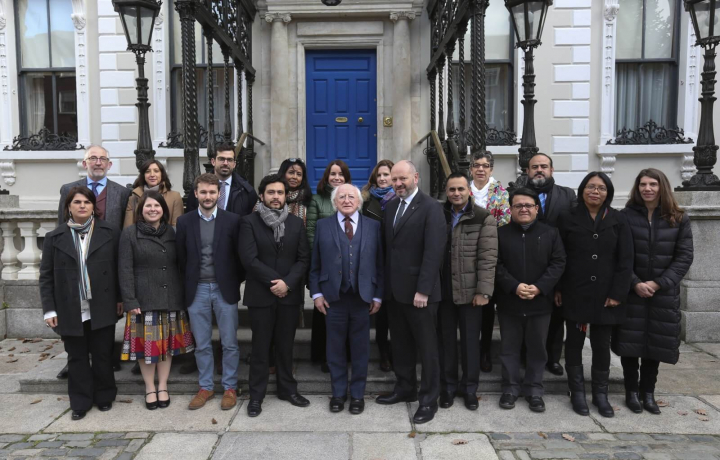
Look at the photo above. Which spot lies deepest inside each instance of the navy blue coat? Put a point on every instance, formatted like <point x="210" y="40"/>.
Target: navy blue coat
<point x="326" y="265"/>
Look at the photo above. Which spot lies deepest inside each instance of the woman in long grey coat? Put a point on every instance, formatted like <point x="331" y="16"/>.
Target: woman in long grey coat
<point x="81" y="299"/>
<point x="157" y="327"/>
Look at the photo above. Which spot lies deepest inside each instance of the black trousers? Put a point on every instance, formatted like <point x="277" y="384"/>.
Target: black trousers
<point x="513" y="331"/>
<point x="556" y="331"/>
<point x="648" y="374"/>
<point x="382" y="330"/>
<point x="486" y="327"/>
<point x="600" y="335"/>
<point x="318" y="338"/>
<point x="274" y="325"/>
<point x="468" y="318"/>
<point x="414" y="332"/>
<point x="91" y="384"/>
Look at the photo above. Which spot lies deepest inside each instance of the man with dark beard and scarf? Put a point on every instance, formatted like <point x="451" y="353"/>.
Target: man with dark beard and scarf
<point x="275" y="253"/>
<point x="554" y="201"/>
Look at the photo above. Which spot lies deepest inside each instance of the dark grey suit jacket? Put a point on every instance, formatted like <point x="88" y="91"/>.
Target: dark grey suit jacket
<point x="115" y="204"/>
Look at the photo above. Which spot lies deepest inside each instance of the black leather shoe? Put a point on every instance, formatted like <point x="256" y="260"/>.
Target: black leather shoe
<point x="136" y="369"/>
<point x="189" y="367"/>
<point x="485" y="362"/>
<point x="337" y="404"/>
<point x="63" y="374"/>
<point x="424" y="414"/>
<point x="394" y="398"/>
<point x="633" y="402"/>
<point x="357" y="406"/>
<point x="385" y="364"/>
<point x="648" y="400"/>
<point x="163" y="404"/>
<point x="536" y="403"/>
<point x="554" y="368"/>
<point x="471" y="401"/>
<point x="446" y="399"/>
<point x="254" y="408"/>
<point x="295" y="400"/>
<point x="105" y="407"/>
<point x="507" y="401"/>
<point x="78" y="414"/>
<point x="151" y="405"/>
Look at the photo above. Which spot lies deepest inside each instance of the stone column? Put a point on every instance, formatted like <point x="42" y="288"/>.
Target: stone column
<point x="402" y="80"/>
<point x="279" y="89"/>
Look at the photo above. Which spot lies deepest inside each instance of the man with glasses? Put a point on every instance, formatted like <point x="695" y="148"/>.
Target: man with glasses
<point x="554" y="201"/>
<point x="111" y="201"/>
<point x="531" y="260"/>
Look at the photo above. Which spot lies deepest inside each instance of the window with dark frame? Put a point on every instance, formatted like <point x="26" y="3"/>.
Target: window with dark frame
<point x="646" y="64"/>
<point x="46" y="63"/>
<point x="499" y="70"/>
<point x="176" y="88"/>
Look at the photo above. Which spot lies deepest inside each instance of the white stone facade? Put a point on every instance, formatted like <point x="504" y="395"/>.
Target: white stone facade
<point x="575" y="89"/>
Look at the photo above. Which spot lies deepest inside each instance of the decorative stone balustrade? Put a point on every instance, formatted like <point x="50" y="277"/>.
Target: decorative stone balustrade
<point x="20" y="230"/>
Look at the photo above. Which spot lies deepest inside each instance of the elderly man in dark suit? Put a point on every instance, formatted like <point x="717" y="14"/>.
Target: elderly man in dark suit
<point x="276" y="256"/>
<point x="415" y="242"/>
<point x="207" y="255"/>
<point x="111" y="200"/>
<point x="346" y="283"/>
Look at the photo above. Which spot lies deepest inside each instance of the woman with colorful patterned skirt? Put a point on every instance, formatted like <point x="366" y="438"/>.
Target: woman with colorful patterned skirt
<point x="157" y="324"/>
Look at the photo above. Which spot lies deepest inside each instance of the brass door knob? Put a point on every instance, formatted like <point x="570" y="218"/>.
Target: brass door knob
<point x="360" y="120"/>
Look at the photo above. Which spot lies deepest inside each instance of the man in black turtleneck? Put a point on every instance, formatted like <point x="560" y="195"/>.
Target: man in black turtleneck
<point x="554" y="201"/>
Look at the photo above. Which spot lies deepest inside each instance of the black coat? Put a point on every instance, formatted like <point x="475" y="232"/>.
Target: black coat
<point x="241" y="201"/>
<point x="534" y="256"/>
<point x="264" y="261"/>
<point x="414" y="250"/>
<point x="149" y="276"/>
<point x="599" y="266"/>
<point x="228" y="270"/>
<point x="372" y="209"/>
<point x="59" y="278"/>
<point x="559" y="201"/>
<point x="662" y="254"/>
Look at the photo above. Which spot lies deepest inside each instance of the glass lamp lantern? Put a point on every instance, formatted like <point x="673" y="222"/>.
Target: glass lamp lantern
<point x="528" y="18"/>
<point x="705" y="15"/>
<point x="138" y="20"/>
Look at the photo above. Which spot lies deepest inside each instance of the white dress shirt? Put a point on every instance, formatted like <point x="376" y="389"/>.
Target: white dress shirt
<point x="407" y="200"/>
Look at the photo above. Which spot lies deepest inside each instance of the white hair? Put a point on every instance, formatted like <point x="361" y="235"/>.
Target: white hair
<point x="93" y="146"/>
<point x="357" y="192"/>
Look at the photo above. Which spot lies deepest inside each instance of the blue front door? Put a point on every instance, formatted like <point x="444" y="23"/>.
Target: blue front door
<point x="341" y="112"/>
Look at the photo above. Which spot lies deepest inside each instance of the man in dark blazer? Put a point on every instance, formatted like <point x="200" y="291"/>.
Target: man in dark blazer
<point x="207" y="254"/>
<point x="111" y="202"/>
<point x="555" y="200"/>
<point x="276" y="255"/>
<point x="415" y="241"/>
<point x="346" y="284"/>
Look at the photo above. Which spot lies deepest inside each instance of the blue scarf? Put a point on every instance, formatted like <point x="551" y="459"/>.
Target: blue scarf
<point x="383" y="194"/>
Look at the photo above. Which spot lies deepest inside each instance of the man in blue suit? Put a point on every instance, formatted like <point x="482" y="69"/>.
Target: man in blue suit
<point x="346" y="284"/>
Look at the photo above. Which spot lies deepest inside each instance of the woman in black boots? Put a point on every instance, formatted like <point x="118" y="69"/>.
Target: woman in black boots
<point x="593" y="289"/>
<point x="663" y="245"/>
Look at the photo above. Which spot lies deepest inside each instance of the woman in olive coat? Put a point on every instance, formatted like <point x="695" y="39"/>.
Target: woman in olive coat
<point x="594" y="286"/>
<point x="81" y="299"/>
<point x="663" y="245"/>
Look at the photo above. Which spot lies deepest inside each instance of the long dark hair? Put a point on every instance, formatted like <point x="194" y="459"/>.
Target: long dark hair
<point x="608" y="183"/>
<point x="372" y="181"/>
<point x="326" y="175"/>
<point x="157" y="197"/>
<point x="84" y="191"/>
<point x="304" y="185"/>
<point x="669" y="208"/>
<point x="164" y="179"/>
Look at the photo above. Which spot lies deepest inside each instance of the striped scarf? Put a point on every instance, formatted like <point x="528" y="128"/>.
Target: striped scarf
<point x="81" y="234"/>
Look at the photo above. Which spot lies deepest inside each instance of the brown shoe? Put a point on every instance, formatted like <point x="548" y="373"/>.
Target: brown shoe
<point x="229" y="400"/>
<point x="200" y="399"/>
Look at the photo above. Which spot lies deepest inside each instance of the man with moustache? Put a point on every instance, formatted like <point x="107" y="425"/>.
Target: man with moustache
<point x="346" y="284"/>
<point x="414" y="227"/>
<point x="208" y="258"/>
<point x="276" y="255"/>
<point x="554" y="201"/>
<point x="468" y="277"/>
<point x="531" y="260"/>
<point x="111" y="200"/>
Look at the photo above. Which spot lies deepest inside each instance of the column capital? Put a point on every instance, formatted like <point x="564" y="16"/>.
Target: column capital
<point x="398" y="15"/>
<point x="611" y="9"/>
<point x="277" y="17"/>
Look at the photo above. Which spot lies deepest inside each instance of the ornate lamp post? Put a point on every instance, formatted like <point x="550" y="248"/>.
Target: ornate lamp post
<point x="705" y="16"/>
<point x="138" y="20"/>
<point x="528" y="18"/>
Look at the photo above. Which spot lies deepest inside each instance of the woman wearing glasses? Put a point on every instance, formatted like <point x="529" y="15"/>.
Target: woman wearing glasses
<point x="491" y="195"/>
<point x="152" y="176"/>
<point x="593" y="289"/>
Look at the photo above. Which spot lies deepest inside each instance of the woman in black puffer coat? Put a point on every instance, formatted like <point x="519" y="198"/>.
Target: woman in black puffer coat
<point x="663" y="254"/>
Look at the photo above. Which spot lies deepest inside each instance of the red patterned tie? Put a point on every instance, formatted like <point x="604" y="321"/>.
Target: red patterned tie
<point x="348" y="228"/>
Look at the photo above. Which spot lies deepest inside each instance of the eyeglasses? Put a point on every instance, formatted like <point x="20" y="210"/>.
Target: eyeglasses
<point x="483" y="166"/>
<point x="519" y="207"/>
<point x="96" y="159"/>
<point x="225" y="160"/>
<point x="592" y="188"/>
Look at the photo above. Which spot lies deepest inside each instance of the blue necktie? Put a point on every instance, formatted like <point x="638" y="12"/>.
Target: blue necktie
<point x="223" y="194"/>
<point x="543" y="197"/>
<point x="94" y="186"/>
